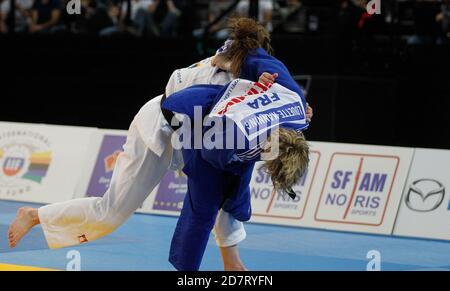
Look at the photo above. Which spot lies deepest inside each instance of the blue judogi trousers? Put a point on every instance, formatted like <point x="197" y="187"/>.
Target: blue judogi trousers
<point x="209" y="190"/>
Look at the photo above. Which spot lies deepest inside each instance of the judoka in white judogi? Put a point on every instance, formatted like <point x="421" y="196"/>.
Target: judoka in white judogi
<point x="147" y="156"/>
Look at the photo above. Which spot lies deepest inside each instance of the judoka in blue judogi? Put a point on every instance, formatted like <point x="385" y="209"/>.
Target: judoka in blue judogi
<point x="220" y="177"/>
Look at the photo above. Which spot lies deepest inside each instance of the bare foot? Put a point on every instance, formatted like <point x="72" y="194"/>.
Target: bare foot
<point x="26" y="219"/>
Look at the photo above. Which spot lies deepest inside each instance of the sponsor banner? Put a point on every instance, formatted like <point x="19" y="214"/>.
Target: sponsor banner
<point x="425" y="206"/>
<point x="110" y="148"/>
<point x="42" y="163"/>
<point x="106" y="148"/>
<point x="168" y="197"/>
<point x="359" y="187"/>
<point x="277" y="207"/>
<point x="347" y="187"/>
<point x="171" y="192"/>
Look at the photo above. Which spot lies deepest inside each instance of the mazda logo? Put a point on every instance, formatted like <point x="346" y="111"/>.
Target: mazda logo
<point x="425" y="195"/>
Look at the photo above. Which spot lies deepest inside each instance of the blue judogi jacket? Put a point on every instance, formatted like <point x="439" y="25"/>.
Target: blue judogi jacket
<point x="220" y="178"/>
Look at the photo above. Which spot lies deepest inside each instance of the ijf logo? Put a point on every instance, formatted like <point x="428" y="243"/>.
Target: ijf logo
<point x="269" y="203"/>
<point x="357" y="188"/>
<point x="25" y="157"/>
<point x="425" y="195"/>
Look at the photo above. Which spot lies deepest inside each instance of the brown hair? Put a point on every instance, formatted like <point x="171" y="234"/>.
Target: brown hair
<point x="291" y="162"/>
<point x="247" y="35"/>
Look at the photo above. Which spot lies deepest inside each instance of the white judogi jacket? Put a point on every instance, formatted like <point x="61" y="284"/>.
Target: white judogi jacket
<point x="199" y="73"/>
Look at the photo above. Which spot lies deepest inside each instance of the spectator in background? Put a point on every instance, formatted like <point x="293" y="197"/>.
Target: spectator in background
<point x="3" y="27"/>
<point x="93" y="18"/>
<point x="265" y="12"/>
<point x="144" y="17"/>
<point x="167" y="15"/>
<point x="136" y="19"/>
<point x="294" y="17"/>
<point x="219" y="30"/>
<point x="22" y="17"/>
<point x="215" y="9"/>
<point x="443" y="20"/>
<point x="46" y="16"/>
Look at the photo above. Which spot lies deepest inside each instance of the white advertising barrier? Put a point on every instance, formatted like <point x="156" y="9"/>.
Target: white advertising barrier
<point x="347" y="187"/>
<point x="42" y="163"/>
<point x="425" y="206"/>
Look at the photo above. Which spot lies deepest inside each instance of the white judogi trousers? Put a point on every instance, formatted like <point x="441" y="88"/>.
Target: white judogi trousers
<point x="138" y="171"/>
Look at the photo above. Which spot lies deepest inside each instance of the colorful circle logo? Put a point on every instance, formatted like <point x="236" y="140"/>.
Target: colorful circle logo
<point x="25" y="157"/>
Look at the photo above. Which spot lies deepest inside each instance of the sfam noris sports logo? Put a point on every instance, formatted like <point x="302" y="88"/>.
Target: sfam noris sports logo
<point x="25" y="157"/>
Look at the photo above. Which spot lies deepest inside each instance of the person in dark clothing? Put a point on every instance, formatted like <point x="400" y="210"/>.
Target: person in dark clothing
<point x="46" y="16"/>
